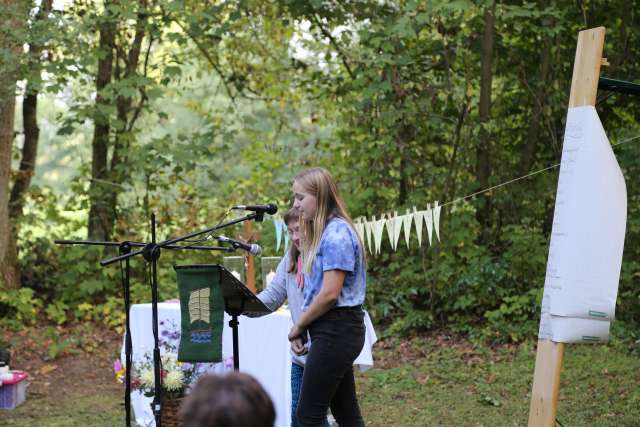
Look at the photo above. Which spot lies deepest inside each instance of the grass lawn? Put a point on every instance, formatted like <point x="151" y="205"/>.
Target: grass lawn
<point x="438" y="381"/>
<point x="420" y="381"/>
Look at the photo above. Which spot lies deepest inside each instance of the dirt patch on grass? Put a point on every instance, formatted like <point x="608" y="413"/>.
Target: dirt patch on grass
<point x="395" y="351"/>
<point x="65" y="364"/>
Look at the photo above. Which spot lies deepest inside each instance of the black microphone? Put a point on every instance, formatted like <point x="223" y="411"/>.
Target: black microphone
<point x="270" y="208"/>
<point x="253" y="249"/>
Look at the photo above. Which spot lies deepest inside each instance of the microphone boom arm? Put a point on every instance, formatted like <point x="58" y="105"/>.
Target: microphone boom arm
<point x="254" y="216"/>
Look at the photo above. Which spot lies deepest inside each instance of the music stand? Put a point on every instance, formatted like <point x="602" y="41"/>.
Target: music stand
<point x="238" y="300"/>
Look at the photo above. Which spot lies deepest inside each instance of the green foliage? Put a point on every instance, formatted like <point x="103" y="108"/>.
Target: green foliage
<point x="236" y="97"/>
<point x="462" y="285"/>
<point x="57" y="347"/>
<point x="57" y="312"/>
<point x="18" y="307"/>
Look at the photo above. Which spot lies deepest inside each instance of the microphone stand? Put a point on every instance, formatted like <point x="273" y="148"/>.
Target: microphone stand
<point x="151" y="253"/>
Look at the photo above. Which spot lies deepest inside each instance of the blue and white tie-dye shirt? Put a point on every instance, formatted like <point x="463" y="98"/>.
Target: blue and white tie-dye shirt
<point x="339" y="250"/>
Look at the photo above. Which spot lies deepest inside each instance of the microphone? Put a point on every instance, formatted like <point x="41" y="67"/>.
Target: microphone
<point x="253" y="249"/>
<point x="270" y="208"/>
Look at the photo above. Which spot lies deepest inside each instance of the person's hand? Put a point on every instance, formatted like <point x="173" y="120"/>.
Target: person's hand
<point x="298" y="346"/>
<point x="295" y="332"/>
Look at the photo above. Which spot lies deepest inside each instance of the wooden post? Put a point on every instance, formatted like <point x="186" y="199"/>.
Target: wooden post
<point x="546" y="377"/>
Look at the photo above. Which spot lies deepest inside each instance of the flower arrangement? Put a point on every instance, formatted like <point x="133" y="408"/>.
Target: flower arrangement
<point x="177" y="377"/>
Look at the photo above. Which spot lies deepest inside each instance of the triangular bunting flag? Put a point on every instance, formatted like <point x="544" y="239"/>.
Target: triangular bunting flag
<point x="436" y="218"/>
<point x="368" y="227"/>
<point x="277" y="223"/>
<point x="417" y="220"/>
<point x="360" y="230"/>
<point x="391" y="226"/>
<point x="378" y="229"/>
<point x="286" y="239"/>
<point x="428" y="219"/>
<point x="397" y="229"/>
<point x="406" y="219"/>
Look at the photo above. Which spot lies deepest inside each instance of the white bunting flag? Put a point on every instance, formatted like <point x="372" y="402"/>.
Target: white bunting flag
<point x="428" y="219"/>
<point x="286" y="238"/>
<point x="417" y="220"/>
<point x="368" y="227"/>
<point x="406" y="219"/>
<point x="436" y="219"/>
<point x="360" y="230"/>
<point x="391" y="230"/>
<point x="397" y="229"/>
<point x="278" y="223"/>
<point x="378" y="229"/>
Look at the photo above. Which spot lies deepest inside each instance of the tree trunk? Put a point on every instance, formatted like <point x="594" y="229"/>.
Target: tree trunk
<point x="450" y="183"/>
<point x="14" y="19"/>
<point x="30" y="126"/>
<point x="8" y="263"/>
<point x="108" y="175"/>
<point x="124" y="104"/>
<point x="483" y="165"/>
<point x="529" y="154"/>
<point x="101" y="214"/>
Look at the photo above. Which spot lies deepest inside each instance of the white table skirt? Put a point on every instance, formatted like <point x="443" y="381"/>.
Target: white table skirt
<point x="263" y="346"/>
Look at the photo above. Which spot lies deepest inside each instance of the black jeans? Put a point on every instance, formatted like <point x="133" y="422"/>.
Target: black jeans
<point x="336" y="340"/>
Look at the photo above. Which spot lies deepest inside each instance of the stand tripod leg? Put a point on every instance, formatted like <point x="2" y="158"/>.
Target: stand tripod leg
<point x="153" y="253"/>
<point x="126" y="248"/>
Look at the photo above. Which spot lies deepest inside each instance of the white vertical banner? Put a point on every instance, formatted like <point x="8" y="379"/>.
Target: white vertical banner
<point x="587" y="237"/>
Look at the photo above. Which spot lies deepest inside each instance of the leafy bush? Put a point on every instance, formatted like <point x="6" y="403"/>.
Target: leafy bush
<point x="461" y="285"/>
<point x="18" y="307"/>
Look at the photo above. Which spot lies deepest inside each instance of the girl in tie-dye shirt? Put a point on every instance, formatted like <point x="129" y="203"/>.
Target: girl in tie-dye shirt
<point x="335" y="284"/>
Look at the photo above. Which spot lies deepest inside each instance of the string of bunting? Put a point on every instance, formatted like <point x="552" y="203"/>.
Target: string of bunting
<point x="372" y="231"/>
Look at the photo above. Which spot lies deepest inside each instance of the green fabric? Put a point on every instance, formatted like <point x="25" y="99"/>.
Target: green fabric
<point x="202" y="313"/>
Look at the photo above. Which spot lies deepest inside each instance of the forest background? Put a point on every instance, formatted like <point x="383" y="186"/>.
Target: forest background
<point x="110" y="111"/>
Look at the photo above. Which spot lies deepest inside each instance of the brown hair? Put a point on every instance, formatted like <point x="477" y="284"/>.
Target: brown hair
<point x="319" y="183"/>
<point x="231" y="400"/>
<point x="292" y="215"/>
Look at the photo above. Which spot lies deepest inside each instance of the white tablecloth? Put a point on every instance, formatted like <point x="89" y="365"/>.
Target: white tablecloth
<point x="264" y="353"/>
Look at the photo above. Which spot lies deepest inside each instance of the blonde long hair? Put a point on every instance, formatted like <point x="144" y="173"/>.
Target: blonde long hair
<point x="319" y="183"/>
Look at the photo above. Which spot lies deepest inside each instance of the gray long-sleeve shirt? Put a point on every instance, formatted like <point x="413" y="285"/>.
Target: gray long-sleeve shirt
<point x="283" y="287"/>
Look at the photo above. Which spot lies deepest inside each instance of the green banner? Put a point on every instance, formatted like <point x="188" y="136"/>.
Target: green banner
<point x="202" y="313"/>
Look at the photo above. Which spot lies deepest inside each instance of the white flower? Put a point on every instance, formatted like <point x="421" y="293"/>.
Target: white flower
<point x="148" y="378"/>
<point x="173" y="380"/>
<point x="169" y="359"/>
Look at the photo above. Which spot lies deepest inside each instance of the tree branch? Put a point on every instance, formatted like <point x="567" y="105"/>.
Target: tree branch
<point x="334" y="43"/>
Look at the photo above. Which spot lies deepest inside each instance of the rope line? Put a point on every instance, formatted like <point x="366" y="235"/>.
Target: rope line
<point x="525" y="176"/>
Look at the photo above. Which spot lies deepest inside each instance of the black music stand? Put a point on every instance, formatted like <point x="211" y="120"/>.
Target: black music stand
<point x="238" y="300"/>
